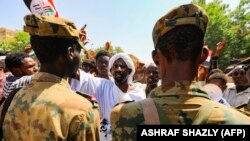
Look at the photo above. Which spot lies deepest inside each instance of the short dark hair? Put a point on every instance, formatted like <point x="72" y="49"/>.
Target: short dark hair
<point x="215" y="71"/>
<point x="218" y="75"/>
<point x="102" y="53"/>
<point x="183" y="43"/>
<point x="89" y="62"/>
<point x="48" y="49"/>
<point x="14" y="60"/>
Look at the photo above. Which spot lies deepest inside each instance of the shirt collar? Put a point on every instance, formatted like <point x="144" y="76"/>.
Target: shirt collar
<point x="245" y="91"/>
<point x="181" y="88"/>
<point x="47" y="77"/>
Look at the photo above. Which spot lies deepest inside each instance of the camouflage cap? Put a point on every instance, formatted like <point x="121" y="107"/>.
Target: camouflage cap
<point x="189" y="14"/>
<point x="51" y="26"/>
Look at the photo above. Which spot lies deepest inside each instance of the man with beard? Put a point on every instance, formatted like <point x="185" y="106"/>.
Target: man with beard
<point x="152" y="78"/>
<point x="46" y="108"/>
<point x="109" y="93"/>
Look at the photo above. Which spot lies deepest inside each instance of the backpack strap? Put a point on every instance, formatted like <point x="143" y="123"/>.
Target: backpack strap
<point x="6" y="105"/>
<point x="2" y="100"/>
<point x="150" y="111"/>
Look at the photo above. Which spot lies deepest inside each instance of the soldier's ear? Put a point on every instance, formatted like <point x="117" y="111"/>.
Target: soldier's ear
<point x="155" y="57"/>
<point x="70" y="53"/>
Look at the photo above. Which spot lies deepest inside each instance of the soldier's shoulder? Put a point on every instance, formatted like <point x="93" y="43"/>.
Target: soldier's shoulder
<point x="124" y="102"/>
<point x="127" y="108"/>
<point x="244" y="108"/>
<point x="91" y="99"/>
<point x="228" y="115"/>
<point x="128" y="104"/>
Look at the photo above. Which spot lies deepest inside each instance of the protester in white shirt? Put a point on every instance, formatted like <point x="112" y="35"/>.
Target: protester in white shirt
<point x="240" y="93"/>
<point x="109" y="93"/>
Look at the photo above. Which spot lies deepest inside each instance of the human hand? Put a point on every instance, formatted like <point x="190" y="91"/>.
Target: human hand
<point x="83" y="34"/>
<point x="221" y="44"/>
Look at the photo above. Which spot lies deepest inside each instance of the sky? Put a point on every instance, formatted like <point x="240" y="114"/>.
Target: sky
<point x="126" y="23"/>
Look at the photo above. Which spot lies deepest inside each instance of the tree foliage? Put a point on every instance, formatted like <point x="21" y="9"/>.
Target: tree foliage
<point x="234" y="25"/>
<point x="15" y="44"/>
<point x="22" y="39"/>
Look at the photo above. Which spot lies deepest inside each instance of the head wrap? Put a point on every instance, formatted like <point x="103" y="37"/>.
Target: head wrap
<point x="125" y="57"/>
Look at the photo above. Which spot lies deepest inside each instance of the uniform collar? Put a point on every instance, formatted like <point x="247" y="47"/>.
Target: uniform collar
<point x="181" y="88"/>
<point x="47" y="77"/>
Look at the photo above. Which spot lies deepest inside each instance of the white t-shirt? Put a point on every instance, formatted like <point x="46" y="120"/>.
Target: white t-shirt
<point x="107" y="95"/>
<point x="236" y="99"/>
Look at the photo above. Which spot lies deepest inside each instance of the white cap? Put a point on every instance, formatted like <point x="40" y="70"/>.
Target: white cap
<point x="214" y="92"/>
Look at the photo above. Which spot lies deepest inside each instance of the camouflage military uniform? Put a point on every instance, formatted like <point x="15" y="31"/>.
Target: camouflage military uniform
<point x="47" y="109"/>
<point x="184" y="103"/>
<point x="245" y="108"/>
<point x="178" y="105"/>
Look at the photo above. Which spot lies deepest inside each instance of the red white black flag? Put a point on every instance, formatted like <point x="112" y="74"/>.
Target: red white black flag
<point x="42" y="7"/>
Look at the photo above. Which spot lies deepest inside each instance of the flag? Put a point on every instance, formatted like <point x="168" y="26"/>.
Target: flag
<point x="41" y="7"/>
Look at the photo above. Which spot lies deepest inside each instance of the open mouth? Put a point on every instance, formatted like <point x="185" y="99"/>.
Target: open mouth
<point x="118" y="76"/>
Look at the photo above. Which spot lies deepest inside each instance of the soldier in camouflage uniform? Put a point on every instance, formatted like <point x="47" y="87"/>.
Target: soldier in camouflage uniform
<point x="178" y="39"/>
<point x="47" y="108"/>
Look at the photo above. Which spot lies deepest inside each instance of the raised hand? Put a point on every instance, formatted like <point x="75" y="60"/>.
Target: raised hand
<point x="220" y="46"/>
<point x="83" y="34"/>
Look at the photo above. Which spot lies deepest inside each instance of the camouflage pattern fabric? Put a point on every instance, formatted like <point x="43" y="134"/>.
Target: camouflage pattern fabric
<point x="189" y="14"/>
<point x="52" y="27"/>
<point x="245" y="108"/>
<point x="178" y="105"/>
<point x="47" y="109"/>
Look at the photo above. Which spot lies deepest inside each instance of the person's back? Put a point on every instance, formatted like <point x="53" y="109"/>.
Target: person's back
<point x="46" y="108"/>
<point x="178" y="39"/>
<point x="175" y="106"/>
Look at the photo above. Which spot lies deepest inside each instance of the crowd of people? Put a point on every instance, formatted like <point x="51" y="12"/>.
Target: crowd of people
<point x="47" y="93"/>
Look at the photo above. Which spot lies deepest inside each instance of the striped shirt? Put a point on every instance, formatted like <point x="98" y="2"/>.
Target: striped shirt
<point x="13" y="83"/>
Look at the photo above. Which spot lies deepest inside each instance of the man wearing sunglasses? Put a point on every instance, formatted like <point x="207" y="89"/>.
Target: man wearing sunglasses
<point x="238" y="94"/>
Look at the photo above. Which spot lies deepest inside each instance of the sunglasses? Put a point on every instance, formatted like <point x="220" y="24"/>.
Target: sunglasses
<point x="237" y="73"/>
